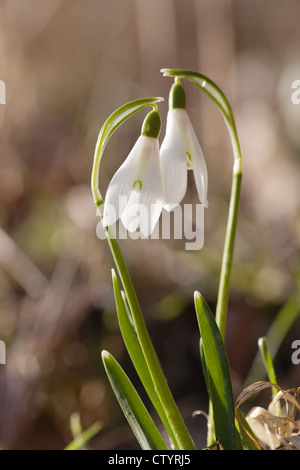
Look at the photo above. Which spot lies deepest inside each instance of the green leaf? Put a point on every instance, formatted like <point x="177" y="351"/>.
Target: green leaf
<point x="267" y="361"/>
<point x="106" y="131"/>
<point x="136" y="353"/>
<point x="81" y="438"/>
<point x="218" y="374"/>
<point x="133" y="408"/>
<point x="278" y="330"/>
<point x="203" y="363"/>
<point x="246" y="432"/>
<point x="269" y="366"/>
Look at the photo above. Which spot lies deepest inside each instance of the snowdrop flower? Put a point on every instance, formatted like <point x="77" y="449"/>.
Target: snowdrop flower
<point x="135" y="193"/>
<point x="181" y="151"/>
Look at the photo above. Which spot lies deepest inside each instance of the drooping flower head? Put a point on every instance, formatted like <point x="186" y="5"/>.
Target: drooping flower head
<point x="135" y="193"/>
<point x="180" y="152"/>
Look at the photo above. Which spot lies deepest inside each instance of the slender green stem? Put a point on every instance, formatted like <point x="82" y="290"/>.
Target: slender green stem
<point x="228" y="250"/>
<point x="214" y="92"/>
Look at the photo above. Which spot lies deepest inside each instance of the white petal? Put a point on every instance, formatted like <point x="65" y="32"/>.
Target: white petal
<point x="173" y="160"/>
<point x="151" y="195"/>
<point x="119" y="189"/>
<point x="130" y="216"/>
<point x="114" y="202"/>
<point x="198" y="165"/>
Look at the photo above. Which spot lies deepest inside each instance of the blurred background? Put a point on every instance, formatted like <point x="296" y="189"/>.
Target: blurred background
<point x="67" y="65"/>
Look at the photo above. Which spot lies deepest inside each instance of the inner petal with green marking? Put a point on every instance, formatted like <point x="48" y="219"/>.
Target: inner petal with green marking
<point x="138" y="183"/>
<point x="188" y="160"/>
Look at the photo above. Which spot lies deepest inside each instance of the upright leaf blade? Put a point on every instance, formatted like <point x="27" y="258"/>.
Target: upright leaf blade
<point x="218" y="374"/>
<point x="278" y="330"/>
<point x="81" y="438"/>
<point x="137" y="356"/>
<point x="133" y="408"/>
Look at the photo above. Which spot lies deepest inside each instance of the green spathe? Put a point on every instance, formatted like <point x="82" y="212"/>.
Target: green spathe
<point x="152" y="125"/>
<point x="129" y="460"/>
<point x="177" y="96"/>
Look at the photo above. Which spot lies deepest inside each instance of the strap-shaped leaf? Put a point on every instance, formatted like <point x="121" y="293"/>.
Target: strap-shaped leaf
<point x="269" y="366"/>
<point x="81" y="438"/>
<point x="133" y="408"/>
<point x="246" y="432"/>
<point x="217" y="374"/>
<point x="136" y="353"/>
<point x="278" y="330"/>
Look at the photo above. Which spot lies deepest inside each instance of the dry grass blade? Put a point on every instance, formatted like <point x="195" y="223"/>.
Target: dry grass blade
<point x="273" y="432"/>
<point x="289" y="400"/>
<point x="251" y="390"/>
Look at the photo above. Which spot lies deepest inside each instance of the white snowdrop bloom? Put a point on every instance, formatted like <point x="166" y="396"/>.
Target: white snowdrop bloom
<point x="180" y="152"/>
<point x="135" y="193"/>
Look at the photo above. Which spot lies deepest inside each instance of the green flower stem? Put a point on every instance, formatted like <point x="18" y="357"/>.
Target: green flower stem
<point x="181" y="434"/>
<point x="214" y="92"/>
<point x="223" y="294"/>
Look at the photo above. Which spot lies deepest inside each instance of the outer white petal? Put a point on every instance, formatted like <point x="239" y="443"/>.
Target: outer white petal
<point x="120" y="186"/>
<point x="173" y="159"/>
<point x="151" y="194"/>
<point x="198" y="163"/>
<point x="130" y="216"/>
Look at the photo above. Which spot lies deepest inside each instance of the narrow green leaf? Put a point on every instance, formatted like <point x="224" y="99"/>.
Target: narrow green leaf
<point x="218" y="374"/>
<point x="278" y="330"/>
<point x="269" y="366"/>
<point x="203" y="363"/>
<point x="246" y="432"/>
<point x="133" y="408"/>
<point x="136" y="353"/>
<point x="267" y="361"/>
<point x="81" y="438"/>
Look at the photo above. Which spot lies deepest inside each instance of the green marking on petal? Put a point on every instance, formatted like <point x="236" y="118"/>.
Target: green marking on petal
<point x="139" y="183"/>
<point x="189" y="160"/>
